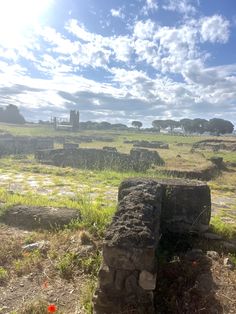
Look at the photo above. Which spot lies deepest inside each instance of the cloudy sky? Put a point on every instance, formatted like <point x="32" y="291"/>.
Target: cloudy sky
<point x="119" y="60"/>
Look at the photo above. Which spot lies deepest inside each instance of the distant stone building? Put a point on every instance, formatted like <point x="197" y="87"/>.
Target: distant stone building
<point x="67" y="125"/>
<point x="74" y="119"/>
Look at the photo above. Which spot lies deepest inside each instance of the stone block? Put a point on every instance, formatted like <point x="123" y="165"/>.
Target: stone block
<point x="131" y="284"/>
<point x="147" y="280"/>
<point x="186" y="206"/>
<point x="106" y="276"/>
<point x="120" y="278"/>
<point x="132" y="238"/>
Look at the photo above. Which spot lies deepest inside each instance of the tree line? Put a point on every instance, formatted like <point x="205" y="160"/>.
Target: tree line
<point x="11" y="114"/>
<point x="214" y="126"/>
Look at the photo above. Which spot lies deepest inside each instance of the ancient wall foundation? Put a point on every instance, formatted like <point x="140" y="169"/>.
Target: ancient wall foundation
<point x="146" y="209"/>
<point x="147" y="144"/>
<point x="23" y="144"/>
<point x="215" y="145"/>
<point x="91" y="158"/>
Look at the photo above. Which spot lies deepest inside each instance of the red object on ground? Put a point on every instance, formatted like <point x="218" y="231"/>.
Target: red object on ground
<point x="52" y="308"/>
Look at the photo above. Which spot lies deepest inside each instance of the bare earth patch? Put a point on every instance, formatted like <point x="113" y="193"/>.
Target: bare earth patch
<point x="35" y="275"/>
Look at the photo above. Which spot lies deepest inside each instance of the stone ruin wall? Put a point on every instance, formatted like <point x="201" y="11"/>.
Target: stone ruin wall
<point x="146" y="209"/>
<point x="91" y="158"/>
<point x="23" y="144"/>
<point x="215" y="145"/>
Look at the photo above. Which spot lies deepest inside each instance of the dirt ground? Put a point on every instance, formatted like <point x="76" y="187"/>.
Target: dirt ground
<point x="37" y="277"/>
<point x="180" y="287"/>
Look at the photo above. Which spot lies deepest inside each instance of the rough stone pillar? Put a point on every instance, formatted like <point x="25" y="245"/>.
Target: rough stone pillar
<point x="186" y="206"/>
<point x="146" y="208"/>
<point x="128" y="275"/>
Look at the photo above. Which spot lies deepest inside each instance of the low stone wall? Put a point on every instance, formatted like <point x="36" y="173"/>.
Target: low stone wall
<point x="204" y="174"/>
<point x="83" y="139"/>
<point x="146" y="209"/>
<point x="23" y="144"/>
<point x="147" y="144"/>
<point x="70" y="145"/>
<point x="215" y="145"/>
<point x="91" y="158"/>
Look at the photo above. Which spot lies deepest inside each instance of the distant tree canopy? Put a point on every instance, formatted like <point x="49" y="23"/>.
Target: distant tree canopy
<point x="214" y="126"/>
<point x="220" y="126"/>
<point x="137" y="124"/>
<point x="163" y="124"/>
<point x="90" y="125"/>
<point x="11" y="114"/>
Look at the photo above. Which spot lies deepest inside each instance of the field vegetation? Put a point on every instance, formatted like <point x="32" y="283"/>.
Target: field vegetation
<point x="61" y="268"/>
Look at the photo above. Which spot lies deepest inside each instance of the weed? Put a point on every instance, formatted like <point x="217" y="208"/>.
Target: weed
<point x="94" y="216"/>
<point x="86" y="238"/>
<point x="66" y="265"/>
<point x="10" y="249"/>
<point x="86" y="262"/>
<point x="3" y="275"/>
<point x="86" y="295"/>
<point x="91" y="264"/>
<point x="29" y="261"/>
<point x="233" y="258"/>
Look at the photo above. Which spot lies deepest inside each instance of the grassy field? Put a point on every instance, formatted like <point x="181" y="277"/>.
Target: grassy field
<point x="72" y="256"/>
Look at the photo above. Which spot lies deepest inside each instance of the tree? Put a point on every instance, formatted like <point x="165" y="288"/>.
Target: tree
<point x="156" y="125"/>
<point x="199" y="125"/>
<point x="172" y="124"/>
<point x="11" y="114"/>
<point x="186" y="124"/>
<point x="137" y="124"/>
<point x="105" y="125"/>
<point x="220" y="126"/>
<point x="194" y="126"/>
<point x="163" y="124"/>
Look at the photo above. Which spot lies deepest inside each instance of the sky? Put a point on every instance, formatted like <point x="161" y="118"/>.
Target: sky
<point x="119" y="60"/>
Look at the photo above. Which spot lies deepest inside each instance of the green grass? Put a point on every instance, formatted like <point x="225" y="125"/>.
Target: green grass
<point x="95" y="197"/>
<point x="30" y="260"/>
<point x="70" y="263"/>
<point x="228" y="231"/>
<point x="86" y="295"/>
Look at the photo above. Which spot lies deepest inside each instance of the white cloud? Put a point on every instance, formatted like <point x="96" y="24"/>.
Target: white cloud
<point x="168" y="49"/>
<point x="214" y="29"/>
<point x="147" y="51"/>
<point x="122" y="48"/>
<point x="73" y="27"/>
<point x="151" y="5"/>
<point x="144" y="29"/>
<point x="117" y="13"/>
<point x="181" y="6"/>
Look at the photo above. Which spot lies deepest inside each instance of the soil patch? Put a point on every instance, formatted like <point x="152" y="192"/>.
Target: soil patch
<point x="31" y="218"/>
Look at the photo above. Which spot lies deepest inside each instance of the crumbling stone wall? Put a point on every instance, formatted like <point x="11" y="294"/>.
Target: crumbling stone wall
<point x="91" y="158"/>
<point x="128" y="275"/>
<point x="70" y="145"/>
<point x="147" y="144"/>
<point x="23" y="144"/>
<point x="215" y="145"/>
<point x="146" y="209"/>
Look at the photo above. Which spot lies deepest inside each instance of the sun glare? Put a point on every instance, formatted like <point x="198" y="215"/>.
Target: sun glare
<point x="19" y="16"/>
